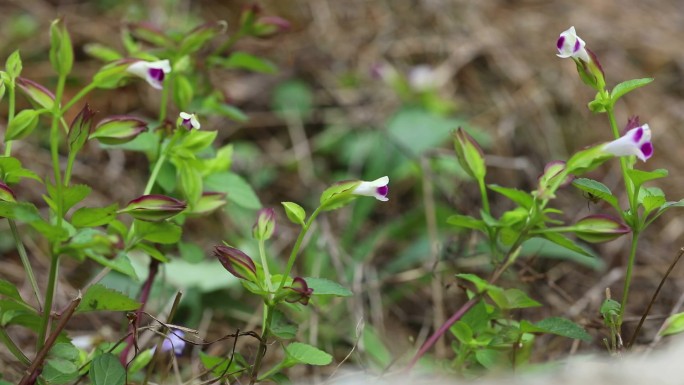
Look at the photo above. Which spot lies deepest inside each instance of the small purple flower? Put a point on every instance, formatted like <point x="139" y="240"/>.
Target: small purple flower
<point x="570" y="45"/>
<point x="189" y="121"/>
<point x="174" y="341"/>
<point x="377" y="189"/>
<point x="152" y="72"/>
<point x="636" y="141"/>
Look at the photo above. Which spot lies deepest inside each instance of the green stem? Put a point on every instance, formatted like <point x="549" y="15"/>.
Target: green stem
<point x="164" y="101"/>
<point x="49" y="295"/>
<point x="10" y="113"/>
<point x="24" y="260"/>
<point x="69" y="167"/>
<point x="12" y="347"/>
<point x="628" y="277"/>
<point x="624" y="166"/>
<point x="483" y="194"/>
<point x="297" y="245"/>
<point x="264" y="265"/>
<point x="272" y="371"/>
<point x="83" y="92"/>
<point x="54" y="146"/>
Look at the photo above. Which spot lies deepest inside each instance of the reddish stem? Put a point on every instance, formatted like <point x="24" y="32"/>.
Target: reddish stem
<point x="144" y="296"/>
<point x="440" y="332"/>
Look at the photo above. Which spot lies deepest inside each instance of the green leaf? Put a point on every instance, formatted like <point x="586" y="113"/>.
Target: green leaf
<point x="183" y="92"/>
<point x="101" y="52"/>
<point x="22" y="125"/>
<point x="675" y="324"/>
<point x="462" y="332"/>
<point x="520" y="197"/>
<point x="121" y="263"/>
<point x="627" y="86"/>
<point x="596" y="189"/>
<point x="295" y="213"/>
<point x="300" y="353"/>
<point x="375" y="348"/>
<point x="416" y="130"/>
<point x="512" y="299"/>
<point x="561" y="240"/>
<point x="13" y="64"/>
<point x="236" y="188"/>
<point x="281" y="328"/>
<point x="640" y="177"/>
<point x="92" y="217"/>
<point x="219" y="365"/>
<point x="481" y="284"/>
<point x="190" y="178"/>
<point x="158" y="232"/>
<point x="107" y="370"/>
<point x="9" y="290"/>
<point x="467" y="222"/>
<point x="99" y="297"/>
<point x="140" y="361"/>
<point x="191" y="252"/>
<point x="152" y="252"/>
<point x="11" y="171"/>
<point x="556" y="325"/>
<point x="293" y="97"/>
<point x="72" y="195"/>
<point x="322" y="286"/>
<point x="245" y="61"/>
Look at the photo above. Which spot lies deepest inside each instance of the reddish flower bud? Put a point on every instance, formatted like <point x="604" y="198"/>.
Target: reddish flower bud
<point x="118" y="129"/>
<point x="154" y="208"/>
<point x="600" y="228"/>
<point x="298" y="292"/>
<point x="6" y="193"/>
<point x="236" y="262"/>
<point x="36" y="92"/>
<point x="79" y="131"/>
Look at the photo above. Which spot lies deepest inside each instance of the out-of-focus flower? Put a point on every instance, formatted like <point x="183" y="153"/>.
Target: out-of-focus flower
<point x="636" y="141"/>
<point x="153" y="72"/>
<point x="377" y="189"/>
<point x="236" y="262"/>
<point x="422" y="78"/>
<point x="154" y="207"/>
<point x="265" y="224"/>
<point x="174" y="342"/>
<point x="299" y="291"/>
<point x="268" y="26"/>
<point x="189" y="121"/>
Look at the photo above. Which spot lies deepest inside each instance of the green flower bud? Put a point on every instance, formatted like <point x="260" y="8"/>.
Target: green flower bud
<point x="469" y="154"/>
<point x="600" y="228"/>
<point x="265" y="224"/>
<point x="36" y="92"/>
<point x="118" y="129"/>
<point x="80" y="129"/>
<point x="6" y="193"/>
<point x="236" y="262"/>
<point x="154" y="208"/>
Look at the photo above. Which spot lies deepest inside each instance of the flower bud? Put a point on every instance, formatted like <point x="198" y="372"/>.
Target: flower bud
<point x="61" y="51"/>
<point x="36" y="92"/>
<point x="268" y="26"/>
<point x="118" y="129"/>
<point x="6" y="193"/>
<point x="600" y="228"/>
<point x="469" y="154"/>
<point x="299" y="291"/>
<point x="79" y="131"/>
<point x="154" y="208"/>
<point x="236" y="262"/>
<point x="265" y="224"/>
<point x="552" y="171"/>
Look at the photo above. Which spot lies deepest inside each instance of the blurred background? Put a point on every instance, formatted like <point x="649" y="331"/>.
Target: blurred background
<point x="379" y="86"/>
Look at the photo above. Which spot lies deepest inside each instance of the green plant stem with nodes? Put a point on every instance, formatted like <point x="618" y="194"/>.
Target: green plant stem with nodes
<point x="54" y="256"/>
<point x="634" y="222"/>
<point x="269" y="306"/>
<point x="83" y="92"/>
<point x="23" y="256"/>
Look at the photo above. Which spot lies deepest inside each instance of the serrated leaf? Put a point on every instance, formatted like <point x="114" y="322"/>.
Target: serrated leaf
<point x="627" y="86"/>
<point x="107" y="370"/>
<point x="281" y="327"/>
<point x="71" y="195"/>
<point x="300" y="353"/>
<point x="596" y="189"/>
<point x="121" y="263"/>
<point x="467" y="222"/>
<point x="640" y="177"/>
<point x="295" y="213"/>
<point x="99" y="297"/>
<point x="152" y="252"/>
<point x="92" y="217"/>
<point x="511" y="299"/>
<point x="235" y="187"/>
<point x="158" y="232"/>
<point x="556" y="325"/>
<point x="322" y="286"/>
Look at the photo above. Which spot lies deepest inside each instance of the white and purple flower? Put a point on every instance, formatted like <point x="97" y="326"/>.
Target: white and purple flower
<point x="189" y="121"/>
<point x="570" y="45"/>
<point x="636" y="141"/>
<point x="377" y="189"/>
<point x="153" y="72"/>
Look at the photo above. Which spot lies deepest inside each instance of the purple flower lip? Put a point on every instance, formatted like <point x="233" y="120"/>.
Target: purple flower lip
<point x="377" y="189"/>
<point x="156" y="74"/>
<point x="636" y="141"/>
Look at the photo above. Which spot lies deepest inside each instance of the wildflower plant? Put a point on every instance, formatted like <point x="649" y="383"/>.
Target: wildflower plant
<point x="485" y="333"/>
<point x="150" y="226"/>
